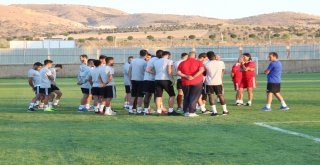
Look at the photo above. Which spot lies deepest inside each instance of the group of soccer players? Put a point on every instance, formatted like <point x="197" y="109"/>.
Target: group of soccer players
<point x="42" y="80"/>
<point x="198" y="78"/>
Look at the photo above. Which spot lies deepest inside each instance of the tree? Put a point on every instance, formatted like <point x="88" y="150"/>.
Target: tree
<point x="252" y="36"/>
<point x="286" y="36"/>
<point x="192" y="37"/>
<point x="110" y="38"/>
<point x="130" y="38"/>
<point x="92" y="38"/>
<point x="317" y="35"/>
<point x="232" y="35"/>
<point x="170" y="37"/>
<point x="81" y="40"/>
<point x="150" y="37"/>
<point x="277" y="35"/>
<point x="65" y="34"/>
<point x="70" y="38"/>
<point x="212" y="36"/>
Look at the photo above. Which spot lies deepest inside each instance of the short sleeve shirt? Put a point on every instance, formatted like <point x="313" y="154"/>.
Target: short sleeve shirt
<point x="275" y="69"/>
<point x="161" y="68"/>
<point x="214" y="72"/>
<point x="138" y="67"/>
<point x="36" y="77"/>
<point x="45" y="81"/>
<point x="190" y="67"/>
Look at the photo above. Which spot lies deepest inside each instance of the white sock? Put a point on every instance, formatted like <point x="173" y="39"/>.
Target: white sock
<point x="250" y="102"/>
<point x="237" y="101"/>
<point x="170" y="110"/>
<point x="50" y="104"/>
<point x="214" y="108"/>
<point x="87" y="106"/>
<point x="159" y="110"/>
<point x="146" y="110"/>
<point x="283" y="103"/>
<point x="56" y="102"/>
<point x="268" y="105"/>
<point x="203" y="107"/>
<point x="96" y="108"/>
<point x="37" y="102"/>
<point x="224" y="107"/>
<point x="241" y="101"/>
<point x="101" y="108"/>
<point x="130" y="108"/>
<point x="139" y="109"/>
<point x="99" y="105"/>
<point x="108" y="110"/>
<point x="31" y="105"/>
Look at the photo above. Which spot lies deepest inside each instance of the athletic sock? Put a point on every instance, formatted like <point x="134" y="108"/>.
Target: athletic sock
<point x="56" y="102"/>
<point x="179" y="101"/>
<point x="283" y="103"/>
<point x="241" y="101"/>
<point x="214" y="108"/>
<point x="87" y="106"/>
<point x="31" y="105"/>
<point x="170" y="110"/>
<point x="50" y="104"/>
<point x="37" y="102"/>
<point x="159" y="110"/>
<point x="108" y="110"/>
<point x="224" y="107"/>
<point x="130" y="109"/>
<point x="139" y="109"/>
<point x="203" y="107"/>
<point x="96" y="108"/>
<point x="101" y="108"/>
<point x="237" y="101"/>
<point x="268" y="105"/>
<point x="146" y="110"/>
<point x="250" y="102"/>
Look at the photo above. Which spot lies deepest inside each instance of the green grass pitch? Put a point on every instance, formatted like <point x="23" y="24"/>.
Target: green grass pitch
<point x="68" y="137"/>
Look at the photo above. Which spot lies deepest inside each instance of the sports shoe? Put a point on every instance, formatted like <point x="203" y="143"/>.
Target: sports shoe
<point x="265" y="109"/>
<point x="206" y="112"/>
<point x="147" y="113"/>
<point x="193" y="115"/>
<point x="186" y="114"/>
<point x="214" y="114"/>
<point x="83" y="110"/>
<point x="282" y="108"/>
<point x="99" y="113"/>
<point x="249" y="104"/>
<point x="110" y="113"/>
<point x="131" y="113"/>
<point x="239" y="104"/>
<point x="31" y="110"/>
<point x="48" y="110"/>
<point x="173" y="113"/>
<point x="225" y="113"/>
<point x="139" y="114"/>
<point x="179" y="109"/>
<point x="162" y="113"/>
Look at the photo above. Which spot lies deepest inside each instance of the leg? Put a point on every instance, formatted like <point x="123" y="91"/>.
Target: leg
<point x="195" y="92"/>
<point x="186" y="95"/>
<point x="179" y="98"/>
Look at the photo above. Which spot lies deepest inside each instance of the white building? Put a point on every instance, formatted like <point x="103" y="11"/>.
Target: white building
<point x="46" y="43"/>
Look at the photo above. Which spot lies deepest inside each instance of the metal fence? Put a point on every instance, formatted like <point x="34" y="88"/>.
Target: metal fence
<point x="71" y="55"/>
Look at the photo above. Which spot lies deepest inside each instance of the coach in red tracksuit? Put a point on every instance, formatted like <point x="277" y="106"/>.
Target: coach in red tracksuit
<point x="248" y="82"/>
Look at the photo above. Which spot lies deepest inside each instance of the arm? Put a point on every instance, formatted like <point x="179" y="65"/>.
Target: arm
<point x="90" y="80"/>
<point x="200" y="71"/>
<point x="150" y="70"/>
<point x="267" y="72"/>
<point x="30" y="80"/>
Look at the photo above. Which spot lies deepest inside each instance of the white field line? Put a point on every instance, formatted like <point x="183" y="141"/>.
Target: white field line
<point x="316" y="139"/>
<point x="288" y="122"/>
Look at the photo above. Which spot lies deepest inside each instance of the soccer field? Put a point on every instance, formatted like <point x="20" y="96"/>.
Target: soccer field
<point x="68" y="137"/>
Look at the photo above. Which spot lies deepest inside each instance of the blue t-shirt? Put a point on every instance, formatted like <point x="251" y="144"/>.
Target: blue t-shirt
<point x="275" y="69"/>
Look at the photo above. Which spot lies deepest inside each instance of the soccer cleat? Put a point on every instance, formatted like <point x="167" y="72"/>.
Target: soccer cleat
<point x="147" y="114"/>
<point x="282" y="108"/>
<point x="239" y="104"/>
<point x="179" y="109"/>
<point x="225" y="113"/>
<point x="193" y="115"/>
<point x="48" y="110"/>
<point x="140" y="114"/>
<point x="110" y="113"/>
<point x="186" y="114"/>
<point x="162" y="114"/>
<point x="249" y="104"/>
<point x="206" y="112"/>
<point x="31" y="110"/>
<point x="83" y="110"/>
<point x="265" y="109"/>
<point x="131" y="113"/>
<point x="173" y="113"/>
<point x="99" y="113"/>
<point x="214" y="114"/>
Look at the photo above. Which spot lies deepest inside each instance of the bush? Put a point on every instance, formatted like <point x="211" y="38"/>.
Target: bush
<point x="192" y="37"/>
<point x="232" y="35"/>
<point x="150" y="37"/>
<point x="212" y="36"/>
<point x="130" y="38"/>
<point x="252" y="36"/>
<point x="110" y="38"/>
<point x="70" y="38"/>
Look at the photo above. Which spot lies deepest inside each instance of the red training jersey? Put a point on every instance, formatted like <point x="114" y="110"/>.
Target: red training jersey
<point x="190" y="67"/>
<point x="237" y="75"/>
<point x="249" y="74"/>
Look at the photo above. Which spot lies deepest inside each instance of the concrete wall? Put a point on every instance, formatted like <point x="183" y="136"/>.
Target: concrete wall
<point x="71" y="70"/>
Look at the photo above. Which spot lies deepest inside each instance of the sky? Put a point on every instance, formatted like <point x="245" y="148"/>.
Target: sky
<point x="224" y="9"/>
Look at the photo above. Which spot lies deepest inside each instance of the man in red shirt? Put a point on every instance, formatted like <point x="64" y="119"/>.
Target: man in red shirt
<point x="248" y="68"/>
<point x="236" y="76"/>
<point x="191" y="73"/>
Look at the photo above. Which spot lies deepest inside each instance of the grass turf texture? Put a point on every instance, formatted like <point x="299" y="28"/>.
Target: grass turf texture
<point x="68" y="137"/>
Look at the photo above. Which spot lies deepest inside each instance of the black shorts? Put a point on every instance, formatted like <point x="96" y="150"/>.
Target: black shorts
<point x="273" y="87"/>
<point x="86" y="91"/>
<point x="214" y="89"/>
<point x="36" y="90"/>
<point x="45" y="91"/>
<point x="109" y="92"/>
<point x="137" y="88"/>
<point x="97" y="91"/>
<point x="149" y="86"/>
<point x="164" y="85"/>
<point x="127" y="88"/>
<point x="179" y="84"/>
<point x="54" y="88"/>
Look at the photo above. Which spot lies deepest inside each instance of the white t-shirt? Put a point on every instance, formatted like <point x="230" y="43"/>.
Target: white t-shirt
<point x="148" y="76"/>
<point x="214" y="72"/>
<point x="105" y="73"/>
<point x="176" y="65"/>
<point x="45" y="81"/>
<point x="95" y="73"/>
<point x="83" y="76"/>
<point x="138" y="67"/>
<point x="36" y="77"/>
<point x="160" y="67"/>
<point x="126" y="79"/>
<point x="54" y="74"/>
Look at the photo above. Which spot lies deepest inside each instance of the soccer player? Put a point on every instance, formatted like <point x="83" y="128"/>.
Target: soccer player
<point x="202" y="57"/>
<point x="214" y="80"/>
<point x="103" y="59"/>
<point x="127" y="82"/>
<point x="248" y="77"/>
<point x="184" y="56"/>
<point x="109" y="89"/>
<point x="45" y="85"/>
<point x="149" y="81"/>
<point x="85" y="86"/>
<point x="191" y="73"/>
<point x="55" y="90"/>
<point x="136" y="75"/>
<point x="273" y="73"/>
<point x="236" y="76"/>
<point x="97" y="84"/>
<point x="162" y="68"/>
<point x="34" y="80"/>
